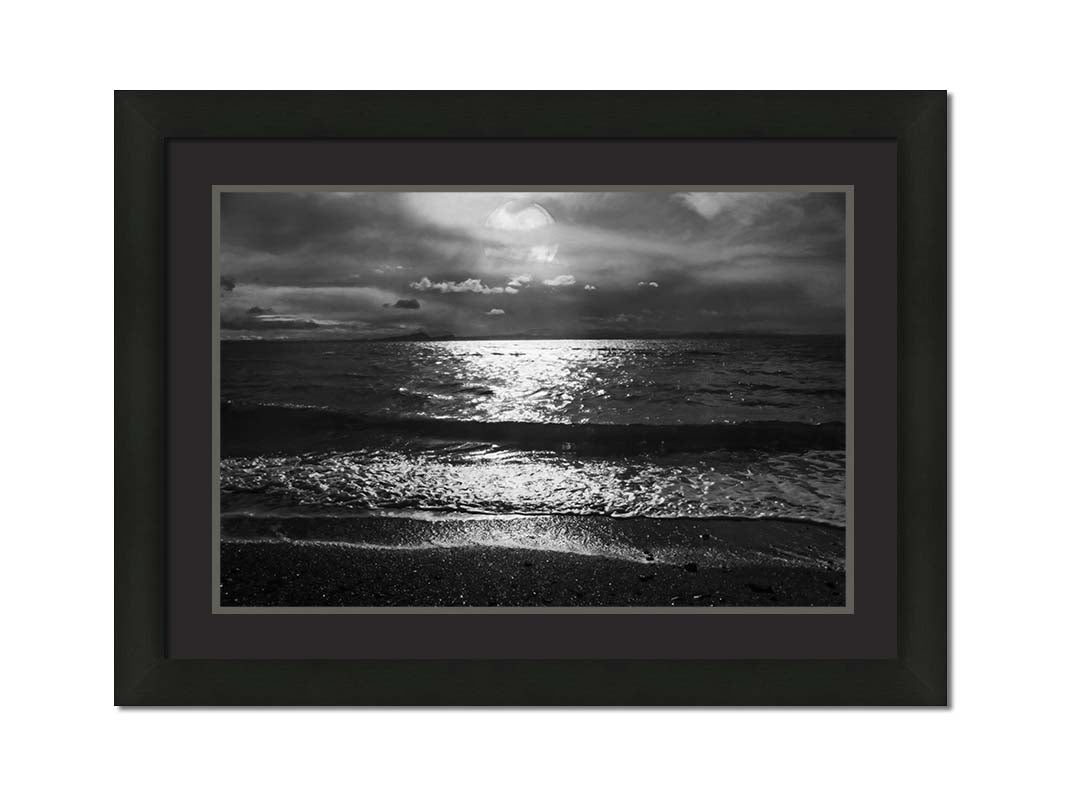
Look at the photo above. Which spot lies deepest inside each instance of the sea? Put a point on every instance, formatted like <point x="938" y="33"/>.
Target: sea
<point x="739" y="427"/>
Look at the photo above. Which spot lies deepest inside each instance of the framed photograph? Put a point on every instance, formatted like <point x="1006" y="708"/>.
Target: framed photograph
<point x="531" y="398"/>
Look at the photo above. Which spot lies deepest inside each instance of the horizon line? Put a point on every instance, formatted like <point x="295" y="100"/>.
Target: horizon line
<point x="399" y="338"/>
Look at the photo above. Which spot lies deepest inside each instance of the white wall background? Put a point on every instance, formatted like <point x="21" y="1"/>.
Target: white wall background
<point x="61" y="62"/>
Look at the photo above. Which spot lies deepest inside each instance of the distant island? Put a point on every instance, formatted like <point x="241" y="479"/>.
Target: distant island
<point x="420" y="336"/>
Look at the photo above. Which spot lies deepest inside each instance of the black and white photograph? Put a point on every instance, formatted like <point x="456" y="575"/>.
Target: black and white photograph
<point x="533" y="399"/>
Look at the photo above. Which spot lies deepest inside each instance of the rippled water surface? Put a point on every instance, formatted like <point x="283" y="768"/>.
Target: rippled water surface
<point x="570" y="381"/>
<point x="493" y="480"/>
<point x="735" y="426"/>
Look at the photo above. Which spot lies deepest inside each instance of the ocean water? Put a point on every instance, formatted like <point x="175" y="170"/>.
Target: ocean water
<point x="740" y="427"/>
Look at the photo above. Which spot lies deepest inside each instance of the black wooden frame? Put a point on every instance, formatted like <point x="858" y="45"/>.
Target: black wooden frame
<point x="144" y="121"/>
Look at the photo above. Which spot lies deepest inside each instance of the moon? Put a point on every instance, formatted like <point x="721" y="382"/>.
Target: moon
<point x="517" y="227"/>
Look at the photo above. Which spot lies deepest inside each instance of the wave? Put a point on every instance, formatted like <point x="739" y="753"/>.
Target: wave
<point x="264" y="512"/>
<point x="722" y="543"/>
<point x="255" y="428"/>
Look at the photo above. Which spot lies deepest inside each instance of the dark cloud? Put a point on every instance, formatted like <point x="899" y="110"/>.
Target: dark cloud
<point x="332" y="239"/>
<point x="227" y="283"/>
<point x="251" y="322"/>
<point x="407" y="303"/>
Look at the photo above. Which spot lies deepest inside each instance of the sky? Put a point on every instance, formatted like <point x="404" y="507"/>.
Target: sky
<point x="364" y="265"/>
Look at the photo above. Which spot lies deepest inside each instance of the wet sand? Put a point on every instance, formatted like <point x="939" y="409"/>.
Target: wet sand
<point x="557" y="561"/>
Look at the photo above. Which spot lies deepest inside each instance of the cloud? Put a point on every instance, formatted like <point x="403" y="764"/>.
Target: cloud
<point x="256" y="311"/>
<point x="559" y="280"/>
<point x="252" y="322"/>
<point x="495" y="312"/>
<point x="764" y="260"/>
<point x="744" y="207"/>
<point x="474" y="285"/>
<point x="708" y="204"/>
<point x="407" y="303"/>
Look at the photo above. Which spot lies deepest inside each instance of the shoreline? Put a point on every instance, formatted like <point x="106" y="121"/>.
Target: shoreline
<point x="530" y="562"/>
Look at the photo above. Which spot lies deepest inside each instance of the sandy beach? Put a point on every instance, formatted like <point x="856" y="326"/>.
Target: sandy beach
<point x="524" y="562"/>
